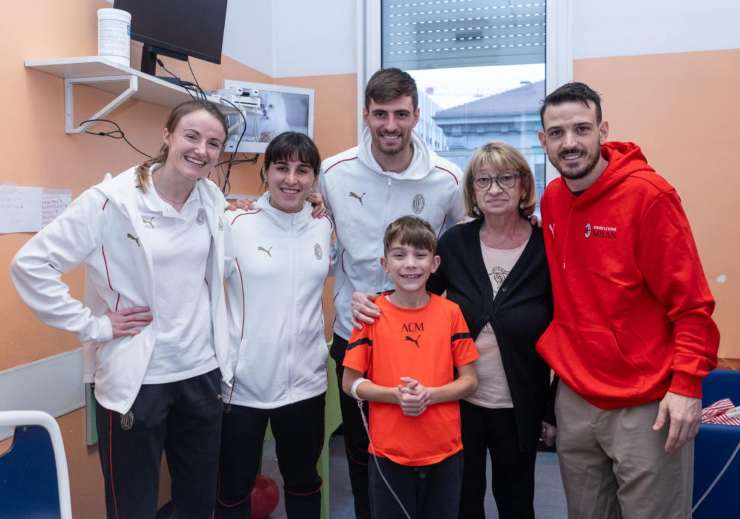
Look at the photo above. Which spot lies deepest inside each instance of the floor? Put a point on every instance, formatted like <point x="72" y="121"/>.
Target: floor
<point x="549" y="498"/>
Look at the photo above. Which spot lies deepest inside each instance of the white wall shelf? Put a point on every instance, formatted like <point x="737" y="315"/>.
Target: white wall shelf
<point x="124" y="82"/>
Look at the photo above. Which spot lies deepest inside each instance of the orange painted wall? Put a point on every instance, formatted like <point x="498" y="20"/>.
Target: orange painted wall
<point x="683" y="110"/>
<point x="39" y="153"/>
<point x="335" y="130"/>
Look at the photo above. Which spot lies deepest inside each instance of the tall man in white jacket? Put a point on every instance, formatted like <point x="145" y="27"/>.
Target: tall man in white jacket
<point x="391" y="173"/>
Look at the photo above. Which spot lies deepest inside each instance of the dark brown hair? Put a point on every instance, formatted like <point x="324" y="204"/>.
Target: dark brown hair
<point x="573" y="92"/>
<point x="388" y="85"/>
<point x="410" y="230"/>
<point x="291" y="146"/>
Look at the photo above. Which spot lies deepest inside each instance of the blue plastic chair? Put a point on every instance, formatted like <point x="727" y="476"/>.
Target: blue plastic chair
<point x="714" y="446"/>
<point x="34" y="481"/>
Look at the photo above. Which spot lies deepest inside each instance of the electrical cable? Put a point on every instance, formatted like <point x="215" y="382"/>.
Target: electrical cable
<point x="193" y="89"/>
<point x="377" y="464"/>
<point x="227" y="185"/>
<point x="252" y="160"/>
<point x="118" y="133"/>
<point x="716" y="480"/>
<point x="193" y="74"/>
<point x="200" y="95"/>
<point x="196" y="93"/>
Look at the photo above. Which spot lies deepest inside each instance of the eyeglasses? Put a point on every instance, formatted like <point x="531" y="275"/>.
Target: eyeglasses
<point x="503" y="181"/>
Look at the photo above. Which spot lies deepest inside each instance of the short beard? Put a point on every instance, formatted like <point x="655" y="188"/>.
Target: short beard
<point x="390" y="151"/>
<point x="581" y="173"/>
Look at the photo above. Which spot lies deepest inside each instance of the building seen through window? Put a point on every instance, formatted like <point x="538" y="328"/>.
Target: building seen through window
<point x="480" y="69"/>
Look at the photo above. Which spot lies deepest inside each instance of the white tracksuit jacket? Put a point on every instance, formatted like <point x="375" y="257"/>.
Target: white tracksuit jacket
<point x="275" y="288"/>
<point x="101" y="229"/>
<point x="364" y="199"/>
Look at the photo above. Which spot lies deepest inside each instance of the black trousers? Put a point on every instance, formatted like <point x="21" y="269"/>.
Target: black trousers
<point x="428" y="492"/>
<point x="183" y="419"/>
<point x="355" y="436"/>
<point x="299" y="437"/>
<point x="512" y="470"/>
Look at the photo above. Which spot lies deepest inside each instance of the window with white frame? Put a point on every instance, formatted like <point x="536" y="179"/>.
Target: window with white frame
<point x="481" y="67"/>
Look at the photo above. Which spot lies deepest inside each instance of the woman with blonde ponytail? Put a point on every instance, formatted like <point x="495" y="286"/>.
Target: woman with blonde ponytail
<point x="155" y="327"/>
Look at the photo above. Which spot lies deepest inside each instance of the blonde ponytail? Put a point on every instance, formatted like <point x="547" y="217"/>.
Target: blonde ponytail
<point x="143" y="169"/>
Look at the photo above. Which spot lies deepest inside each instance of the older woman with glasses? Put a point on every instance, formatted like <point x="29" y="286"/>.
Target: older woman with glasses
<point x="495" y="268"/>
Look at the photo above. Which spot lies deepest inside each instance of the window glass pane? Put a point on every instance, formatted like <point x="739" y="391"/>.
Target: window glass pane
<point x="419" y="34"/>
<point x="480" y="69"/>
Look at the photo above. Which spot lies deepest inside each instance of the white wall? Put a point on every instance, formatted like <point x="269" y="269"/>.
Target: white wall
<point x="284" y="38"/>
<point x="314" y="38"/>
<point x="635" y="27"/>
<point x="248" y="34"/>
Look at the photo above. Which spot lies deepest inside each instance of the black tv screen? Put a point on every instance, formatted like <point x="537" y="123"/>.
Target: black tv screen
<point x="178" y="28"/>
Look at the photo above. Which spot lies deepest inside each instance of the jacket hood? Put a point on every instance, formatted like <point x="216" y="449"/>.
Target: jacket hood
<point x="282" y="219"/>
<point x="421" y="164"/>
<point x="624" y="159"/>
<point x="114" y="188"/>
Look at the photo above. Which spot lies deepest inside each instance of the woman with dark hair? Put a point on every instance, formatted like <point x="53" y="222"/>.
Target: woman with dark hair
<point x="154" y="327"/>
<point x="282" y="258"/>
<point x="495" y="268"/>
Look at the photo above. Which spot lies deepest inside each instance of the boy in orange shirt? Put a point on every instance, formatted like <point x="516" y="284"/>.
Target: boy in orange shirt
<point x="410" y="355"/>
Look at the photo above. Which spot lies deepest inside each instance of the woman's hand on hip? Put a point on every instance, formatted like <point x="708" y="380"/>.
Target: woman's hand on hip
<point x="129" y="321"/>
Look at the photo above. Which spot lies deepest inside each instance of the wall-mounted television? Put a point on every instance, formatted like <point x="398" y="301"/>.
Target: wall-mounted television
<point x="281" y="108"/>
<point x="176" y="28"/>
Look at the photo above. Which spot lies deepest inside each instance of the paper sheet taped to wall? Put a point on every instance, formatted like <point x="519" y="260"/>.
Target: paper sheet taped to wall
<point x="53" y="202"/>
<point x="29" y="209"/>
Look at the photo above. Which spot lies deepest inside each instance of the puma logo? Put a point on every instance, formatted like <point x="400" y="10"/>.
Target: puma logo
<point x="148" y="221"/>
<point x="132" y="237"/>
<point x="266" y="251"/>
<point x="352" y="194"/>
<point x="411" y="339"/>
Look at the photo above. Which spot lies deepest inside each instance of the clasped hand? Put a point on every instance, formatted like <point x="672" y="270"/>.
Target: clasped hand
<point x="413" y="397"/>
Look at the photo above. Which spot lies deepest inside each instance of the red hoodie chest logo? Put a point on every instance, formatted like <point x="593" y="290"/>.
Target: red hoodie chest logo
<point x="600" y="231"/>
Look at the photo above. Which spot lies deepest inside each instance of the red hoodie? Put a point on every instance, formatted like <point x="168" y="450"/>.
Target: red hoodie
<point x="632" y="315"/>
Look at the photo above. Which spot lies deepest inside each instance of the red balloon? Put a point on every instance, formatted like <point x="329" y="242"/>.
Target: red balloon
<point x="264" y="497"/>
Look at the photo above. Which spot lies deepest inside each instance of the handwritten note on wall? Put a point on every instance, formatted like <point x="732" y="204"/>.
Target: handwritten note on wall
<point x="29" y="209"/>
<point x="53" y="202"/>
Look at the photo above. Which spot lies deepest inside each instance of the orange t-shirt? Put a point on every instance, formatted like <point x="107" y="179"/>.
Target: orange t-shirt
<point x="423" y="343"/>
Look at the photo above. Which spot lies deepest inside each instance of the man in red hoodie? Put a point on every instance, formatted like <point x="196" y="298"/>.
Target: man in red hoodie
<point x="632" y="335"/>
